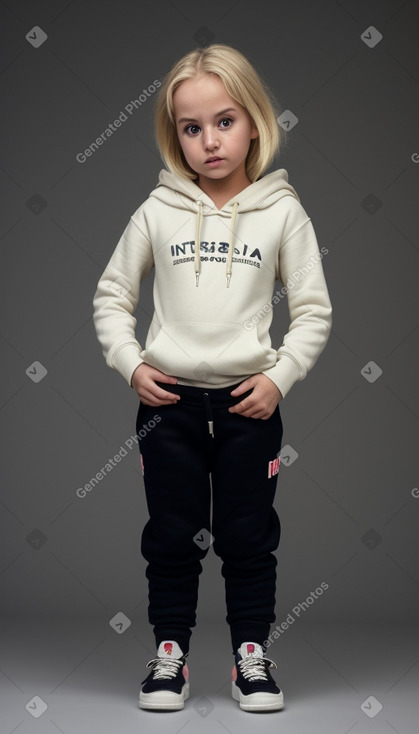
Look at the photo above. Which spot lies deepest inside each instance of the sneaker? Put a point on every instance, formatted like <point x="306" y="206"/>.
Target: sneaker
<point x="166" y="687"/>
<point x="252" y="684"/>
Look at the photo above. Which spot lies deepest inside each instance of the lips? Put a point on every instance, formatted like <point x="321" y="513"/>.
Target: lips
<point x="213" y="158"/>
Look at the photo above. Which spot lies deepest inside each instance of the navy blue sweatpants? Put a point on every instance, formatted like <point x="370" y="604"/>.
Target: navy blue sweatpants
<point x="195" y="437"/>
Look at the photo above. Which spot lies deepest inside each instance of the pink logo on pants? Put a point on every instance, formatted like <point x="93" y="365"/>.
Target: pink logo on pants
<point x="273" y="467"/>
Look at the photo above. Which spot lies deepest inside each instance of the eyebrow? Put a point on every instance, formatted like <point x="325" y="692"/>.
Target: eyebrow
<point x="192" y="119"/>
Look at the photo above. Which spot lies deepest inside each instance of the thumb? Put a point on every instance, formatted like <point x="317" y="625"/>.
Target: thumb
<point x="162" y="377"/>
<point x="246" y="385"/>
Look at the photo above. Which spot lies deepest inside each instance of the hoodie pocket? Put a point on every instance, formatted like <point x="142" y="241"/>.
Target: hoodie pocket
<point x="196" y="350"/>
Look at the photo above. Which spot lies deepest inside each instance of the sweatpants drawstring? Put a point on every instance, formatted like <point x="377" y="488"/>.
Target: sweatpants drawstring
<point x="208" y="409"/>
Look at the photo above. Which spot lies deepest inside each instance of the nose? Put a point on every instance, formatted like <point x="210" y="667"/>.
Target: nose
<point x="210" y="139"/>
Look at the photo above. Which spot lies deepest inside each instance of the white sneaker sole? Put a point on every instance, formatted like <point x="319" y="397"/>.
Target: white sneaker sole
<point x="160" y="700"/>
<point x="258" y="701"/>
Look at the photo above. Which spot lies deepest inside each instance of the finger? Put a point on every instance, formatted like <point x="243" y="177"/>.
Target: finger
<point x="259" y="416"/>
<point x="166" y="395"/>
<point x="162" y="377"/>
<point x="149" y="397"/>
<point x="160" y="394"/>
<point x="250" y="414"/>
<point x="155" y="403"/>
<point x="248" y="410"/>
<point x="240" y="407"/>
<point x="246" y="385"/>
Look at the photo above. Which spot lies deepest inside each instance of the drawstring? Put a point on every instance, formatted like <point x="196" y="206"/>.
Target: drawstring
<point x="230" y="244"/>
<point x="197" y="257"/>
<point x="208" y="409"/>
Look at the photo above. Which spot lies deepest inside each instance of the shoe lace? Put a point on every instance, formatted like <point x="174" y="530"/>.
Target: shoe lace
<point x="165" y="667"/>
<point x="254" y="668"/>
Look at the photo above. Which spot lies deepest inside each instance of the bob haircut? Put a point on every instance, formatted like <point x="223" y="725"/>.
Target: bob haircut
<point x="243" y="84"/>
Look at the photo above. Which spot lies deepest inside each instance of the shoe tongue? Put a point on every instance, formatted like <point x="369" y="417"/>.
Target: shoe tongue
<point x="250" y="649"/>
<point x="169" y="649"/>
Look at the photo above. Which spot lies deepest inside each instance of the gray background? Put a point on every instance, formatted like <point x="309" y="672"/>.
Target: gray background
<point x="348" y="505"/>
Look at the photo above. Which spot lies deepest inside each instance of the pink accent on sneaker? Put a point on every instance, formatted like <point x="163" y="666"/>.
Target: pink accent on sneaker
<point x="234" y="673"/>
<point x="185" y="671"/>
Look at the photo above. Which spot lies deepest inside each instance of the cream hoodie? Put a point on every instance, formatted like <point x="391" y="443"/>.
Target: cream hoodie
<point x="213" y="304"/>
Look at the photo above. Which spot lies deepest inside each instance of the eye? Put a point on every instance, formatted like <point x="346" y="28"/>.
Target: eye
<point x="190" y="126"/>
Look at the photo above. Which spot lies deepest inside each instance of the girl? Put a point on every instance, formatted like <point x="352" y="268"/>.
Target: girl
<point x="219" y="234"/>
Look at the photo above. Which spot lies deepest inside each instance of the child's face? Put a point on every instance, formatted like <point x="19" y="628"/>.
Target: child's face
<point x="205" y="133"/>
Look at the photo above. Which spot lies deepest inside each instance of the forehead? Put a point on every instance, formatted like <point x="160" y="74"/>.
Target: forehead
<point x="202" y="90"/>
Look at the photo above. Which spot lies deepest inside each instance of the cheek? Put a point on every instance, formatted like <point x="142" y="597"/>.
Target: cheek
<point x="188" y="148"/>
<point x="183" y="140"/>
<point x="183" y="146"/>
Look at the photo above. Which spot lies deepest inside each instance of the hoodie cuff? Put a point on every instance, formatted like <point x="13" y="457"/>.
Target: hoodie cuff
<point x="126" y="361"/>
<point x="284" y="374"/>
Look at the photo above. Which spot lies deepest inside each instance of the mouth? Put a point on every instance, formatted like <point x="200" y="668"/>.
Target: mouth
<point x="213" y="158"/>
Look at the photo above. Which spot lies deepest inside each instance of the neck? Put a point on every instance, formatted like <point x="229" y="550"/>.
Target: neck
<point x="225" y="188"/>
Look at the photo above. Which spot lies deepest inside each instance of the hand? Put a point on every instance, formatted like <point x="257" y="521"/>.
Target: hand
<point x="262" y="401"/>
<point x="143" y="382"/>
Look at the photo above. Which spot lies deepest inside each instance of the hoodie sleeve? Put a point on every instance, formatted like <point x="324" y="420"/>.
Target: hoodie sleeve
<point x="117" y="296"/>
<point x="309" y="306"/>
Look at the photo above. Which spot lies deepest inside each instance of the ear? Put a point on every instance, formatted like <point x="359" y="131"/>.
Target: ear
<point x="254" y="132"/>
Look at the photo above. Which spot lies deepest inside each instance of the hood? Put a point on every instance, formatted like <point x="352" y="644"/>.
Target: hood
<point x="182" y="193"/>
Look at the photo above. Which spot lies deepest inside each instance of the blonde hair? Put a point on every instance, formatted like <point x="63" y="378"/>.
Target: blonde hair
<point x="243" y="83"/>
